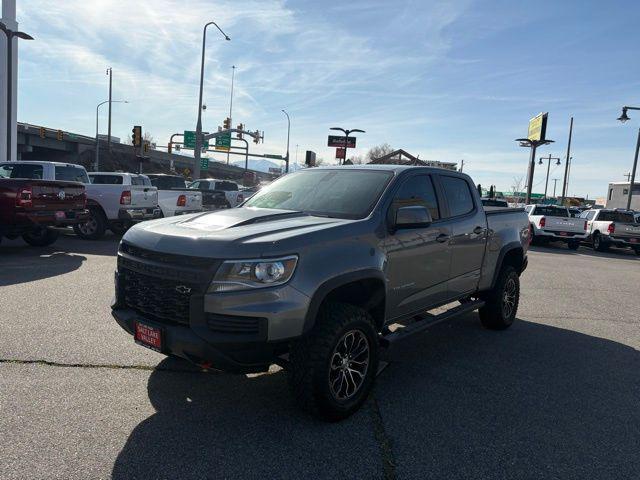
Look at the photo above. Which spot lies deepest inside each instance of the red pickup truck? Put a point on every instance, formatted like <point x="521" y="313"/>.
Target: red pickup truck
<point x="29" y="207"/>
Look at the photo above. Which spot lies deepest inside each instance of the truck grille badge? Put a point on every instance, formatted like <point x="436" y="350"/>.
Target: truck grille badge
<point x="183" y="289"/>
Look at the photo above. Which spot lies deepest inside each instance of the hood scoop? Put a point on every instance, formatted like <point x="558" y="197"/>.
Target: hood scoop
<point x="237" y="217"/>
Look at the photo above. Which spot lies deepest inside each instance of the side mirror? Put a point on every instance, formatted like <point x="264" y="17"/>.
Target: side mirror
<point x="412" y="217"/>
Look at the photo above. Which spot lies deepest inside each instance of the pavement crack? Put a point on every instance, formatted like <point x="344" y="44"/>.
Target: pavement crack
<point x="108" y="366"/>
<point x="384" y="442"/>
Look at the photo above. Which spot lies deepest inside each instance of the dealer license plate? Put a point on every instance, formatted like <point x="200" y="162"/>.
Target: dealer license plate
<point x="147" y="336"/>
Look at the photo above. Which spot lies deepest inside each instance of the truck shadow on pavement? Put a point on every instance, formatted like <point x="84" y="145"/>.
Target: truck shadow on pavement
<point x="35" y="264"/>
<point x="534" y="401"/>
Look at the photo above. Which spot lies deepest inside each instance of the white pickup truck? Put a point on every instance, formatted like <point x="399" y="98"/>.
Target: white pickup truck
<point x="112" y="206"/>
<point x="125" y="199"/>
<point x="617" y="228"/>
<point x="174" y="197"/>
<point x="554" y="223"/>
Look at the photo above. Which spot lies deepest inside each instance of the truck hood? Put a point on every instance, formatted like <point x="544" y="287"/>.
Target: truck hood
<point x="230" y="233"/>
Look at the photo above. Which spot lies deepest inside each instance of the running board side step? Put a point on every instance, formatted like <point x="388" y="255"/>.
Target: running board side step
<point x="428" y="321"/>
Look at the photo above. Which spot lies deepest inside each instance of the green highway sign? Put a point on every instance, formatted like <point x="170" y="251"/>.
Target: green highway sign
<point x="204" y="164"/>
<point x="190" y="139"/>
<point x="223" y="142"/>
<point x="275" y="157"/>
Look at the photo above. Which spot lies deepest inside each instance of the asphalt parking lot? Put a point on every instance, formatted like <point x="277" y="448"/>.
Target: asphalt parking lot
<point x="555" y="396"/>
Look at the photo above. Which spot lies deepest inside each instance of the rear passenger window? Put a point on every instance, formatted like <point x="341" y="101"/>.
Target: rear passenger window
<point x="458" y="195"/>
<point x="418" y="190"/>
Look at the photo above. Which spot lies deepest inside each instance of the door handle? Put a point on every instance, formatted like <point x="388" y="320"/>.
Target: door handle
<point x="442" y="238"/>
<point x="478" y="230"/>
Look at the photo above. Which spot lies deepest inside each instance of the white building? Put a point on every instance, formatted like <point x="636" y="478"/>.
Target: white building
<point x="618" y="193"/>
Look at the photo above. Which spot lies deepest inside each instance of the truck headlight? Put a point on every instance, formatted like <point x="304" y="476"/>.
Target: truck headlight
<point x="249" y="274"/>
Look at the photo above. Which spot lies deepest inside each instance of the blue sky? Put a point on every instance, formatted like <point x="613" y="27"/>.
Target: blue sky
<point x="447" y="80"/>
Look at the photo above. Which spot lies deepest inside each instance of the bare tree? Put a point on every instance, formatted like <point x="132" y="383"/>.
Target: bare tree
<point x="319" y="162"/>
<point x="379" y="151"/>
<point x="518" y="183"/>
<point x="357" y="160"/>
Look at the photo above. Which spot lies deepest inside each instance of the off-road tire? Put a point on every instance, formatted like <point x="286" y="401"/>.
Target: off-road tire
<point x="573" y="245"/>
<point x="41" y="237"/>
<point x="598" y="244"/>
<point x="310" y="361"/>
<point x="494" y="315"/>
<point x="97" y="229"/>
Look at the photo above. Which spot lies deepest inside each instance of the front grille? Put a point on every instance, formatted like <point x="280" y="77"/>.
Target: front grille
<point x="250" y="327"/>
<point x="161" y="299"/>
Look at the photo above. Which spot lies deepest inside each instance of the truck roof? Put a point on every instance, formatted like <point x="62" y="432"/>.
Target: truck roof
<point x="64" y="164"/>
<point x="388" y="168"/>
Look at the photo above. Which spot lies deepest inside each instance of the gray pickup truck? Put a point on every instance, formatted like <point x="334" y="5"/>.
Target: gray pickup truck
<point x="319" y="271"/>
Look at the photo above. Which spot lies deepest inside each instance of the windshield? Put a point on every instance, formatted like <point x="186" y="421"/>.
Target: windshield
<point x="333" y="193"/>
<point x="551" y="211"/>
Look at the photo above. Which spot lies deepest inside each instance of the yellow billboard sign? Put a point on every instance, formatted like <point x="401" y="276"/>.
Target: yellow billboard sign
<point x="538" y="127"/>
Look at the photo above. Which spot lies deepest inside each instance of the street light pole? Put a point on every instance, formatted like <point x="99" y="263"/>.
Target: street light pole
<point x="233" y="74"/>
<point x="97" y="159"/>
<point x="110" y="73"/>
<point x="10" y="34"/>
<point x="633" y="172"/>
<point x="555" y="182"/>
<point x="288" y="134"/>
<point x="346" y="138"/>
<point x="623" y="118"/>
<point x="198" y="147"/>
<point x="546" y="184"/>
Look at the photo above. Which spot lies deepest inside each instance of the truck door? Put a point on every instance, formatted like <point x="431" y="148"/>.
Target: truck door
<point x="466" y="218"/>
<point x="418" y="259"/>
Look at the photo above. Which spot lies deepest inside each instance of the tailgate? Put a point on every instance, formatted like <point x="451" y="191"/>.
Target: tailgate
<point x="628" y="231"/>
<point x="51" y="196"/>
<point x="194" y="200"/>
<point x="143" y="196"/>
<point x="561" y="224"/>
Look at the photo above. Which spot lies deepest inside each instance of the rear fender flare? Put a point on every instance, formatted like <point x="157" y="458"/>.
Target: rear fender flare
<point x="508" y="248"/>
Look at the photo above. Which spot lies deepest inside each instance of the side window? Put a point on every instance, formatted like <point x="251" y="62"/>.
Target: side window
<point x="528" y="209"/>
<point x="418" y="190"/>
<point x="610" y="193"/>
<point x="195" y="184"/>
<point x="590" y="215"/>
<point x="458" y="195"/>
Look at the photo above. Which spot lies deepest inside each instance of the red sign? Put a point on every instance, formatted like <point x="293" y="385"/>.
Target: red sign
<point x="341" y="153"/>
<point x="339" y="140"/>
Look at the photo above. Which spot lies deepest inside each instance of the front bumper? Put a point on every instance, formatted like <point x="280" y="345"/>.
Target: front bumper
<point x="139" y="214"/>
<point x="238" y="332"/>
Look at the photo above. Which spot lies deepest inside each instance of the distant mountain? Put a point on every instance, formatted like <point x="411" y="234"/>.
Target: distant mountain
<point x="263" y="165"/>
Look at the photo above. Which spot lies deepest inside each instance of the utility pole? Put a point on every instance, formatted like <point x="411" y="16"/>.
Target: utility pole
<point x="565" y="186"/>
<point x="628" y="175"/>
<point x="233" y="74"/>
<point x="555" y="181"/>
<point x="461" y="165"/>
<point x="297" y="153"/>
<point x="110" y="73"/>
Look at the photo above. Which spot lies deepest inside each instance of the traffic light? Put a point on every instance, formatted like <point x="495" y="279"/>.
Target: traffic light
<point x="169" y="145"/>
<point x="146" y="147"/>
<point x="42" y="132"/>
<point x="60" y="135"/>
<point x="226" y="124"/>
<point x="136" y="137"/>
<point x="239" y="134"/>
<point x="257" y="137"/>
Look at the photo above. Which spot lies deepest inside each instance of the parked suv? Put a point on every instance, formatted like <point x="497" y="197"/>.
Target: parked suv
<point x="311" y="272"/>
